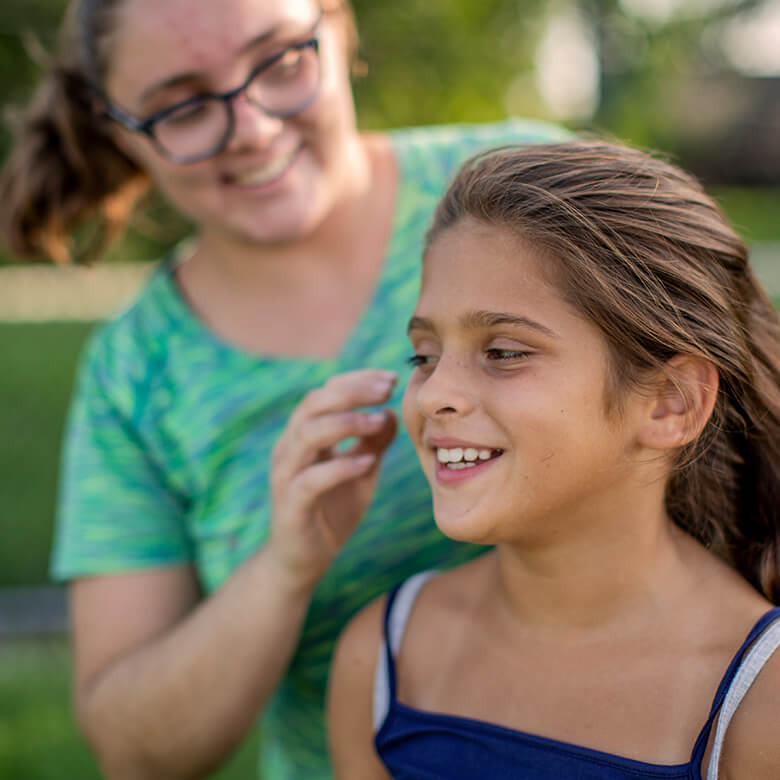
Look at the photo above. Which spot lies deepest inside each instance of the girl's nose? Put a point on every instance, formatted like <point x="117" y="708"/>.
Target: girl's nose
<point x="446" y="390"/>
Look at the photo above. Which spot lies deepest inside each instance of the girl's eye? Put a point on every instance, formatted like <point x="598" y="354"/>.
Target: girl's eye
<point x="505" y="354"/>
<point x="419" y="360"/>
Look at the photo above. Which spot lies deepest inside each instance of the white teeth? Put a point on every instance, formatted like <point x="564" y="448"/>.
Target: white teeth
<point x="461" y="457"/>
<point x="265" y="173"/>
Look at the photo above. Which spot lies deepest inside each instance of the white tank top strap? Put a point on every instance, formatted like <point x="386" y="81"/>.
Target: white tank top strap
<point x="753" y="663"/>
<point x="396" y="625"/>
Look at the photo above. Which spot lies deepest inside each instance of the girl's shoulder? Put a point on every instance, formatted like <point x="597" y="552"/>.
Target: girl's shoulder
<point x="751" y="747"/>
<point x="427" y="596"/>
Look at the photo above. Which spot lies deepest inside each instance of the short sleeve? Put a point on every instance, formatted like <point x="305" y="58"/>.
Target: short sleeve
<point x="115" y="511"/>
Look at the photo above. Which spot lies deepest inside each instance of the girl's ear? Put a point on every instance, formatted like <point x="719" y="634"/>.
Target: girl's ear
<point x="680" y="404"/>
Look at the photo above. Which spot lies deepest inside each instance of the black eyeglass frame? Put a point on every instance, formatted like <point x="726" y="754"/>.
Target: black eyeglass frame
<point x="146" y="126"/>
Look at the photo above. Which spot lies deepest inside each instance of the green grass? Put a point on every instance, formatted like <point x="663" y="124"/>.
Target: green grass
<point x="38" y="735"/>
<point x="39" y="362"/>
<point x="38" y="738"/>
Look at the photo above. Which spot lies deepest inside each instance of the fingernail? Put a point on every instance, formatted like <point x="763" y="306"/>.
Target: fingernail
<point x="364" y="460"/>
<point x="375" y="418"/>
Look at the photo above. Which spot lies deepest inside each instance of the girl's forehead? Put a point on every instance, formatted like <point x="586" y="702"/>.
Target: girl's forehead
<point x="168" y="36"/>
<point x="477" y="265"/>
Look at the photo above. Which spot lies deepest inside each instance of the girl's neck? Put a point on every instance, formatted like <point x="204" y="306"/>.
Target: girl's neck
<point x="607" y="582"/>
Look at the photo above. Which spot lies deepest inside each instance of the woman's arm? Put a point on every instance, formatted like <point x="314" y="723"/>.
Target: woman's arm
<point x="166" y="687"/>
<point x="350" y="698"/>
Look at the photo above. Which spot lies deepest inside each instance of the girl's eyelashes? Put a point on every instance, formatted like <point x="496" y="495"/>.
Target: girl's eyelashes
<point x="493" y="354"/>
<point x="496" y="353"/>
<point x="419" y="360"/>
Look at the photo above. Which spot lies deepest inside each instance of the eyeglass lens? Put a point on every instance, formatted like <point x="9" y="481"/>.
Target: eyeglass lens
<point x="283" y="88"/>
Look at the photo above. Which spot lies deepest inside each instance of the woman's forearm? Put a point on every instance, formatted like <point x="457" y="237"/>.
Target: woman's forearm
<point x="177" y="705"/>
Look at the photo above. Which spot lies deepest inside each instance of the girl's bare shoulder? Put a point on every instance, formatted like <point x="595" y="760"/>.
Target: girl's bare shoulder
<point x="751" y="749"/>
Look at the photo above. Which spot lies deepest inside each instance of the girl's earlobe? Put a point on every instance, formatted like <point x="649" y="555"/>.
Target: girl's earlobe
<point x="681" y="403"/>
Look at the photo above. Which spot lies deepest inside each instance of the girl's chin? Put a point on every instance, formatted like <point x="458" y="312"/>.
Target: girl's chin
<point x="462" y="527"/>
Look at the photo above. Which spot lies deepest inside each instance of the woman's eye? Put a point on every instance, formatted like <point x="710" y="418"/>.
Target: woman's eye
<point x="286" y="66"/>
<point x="191" y="113"/>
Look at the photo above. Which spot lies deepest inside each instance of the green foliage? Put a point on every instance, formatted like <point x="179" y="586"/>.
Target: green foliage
<point x="754" y="212"/>
<point x="38" y="738"/>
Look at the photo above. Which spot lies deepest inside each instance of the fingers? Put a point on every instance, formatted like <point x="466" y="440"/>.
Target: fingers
<point x="377" y="442"/>
<point x="313" y="482"/>
<point x="316" y="437"/>
<point x="342" y="392"/>
<point x="327" y="415"/>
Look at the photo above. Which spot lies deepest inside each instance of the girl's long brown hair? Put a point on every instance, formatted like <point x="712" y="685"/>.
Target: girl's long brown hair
<point x="64" y="168"/>
<point x="646" y="255"/>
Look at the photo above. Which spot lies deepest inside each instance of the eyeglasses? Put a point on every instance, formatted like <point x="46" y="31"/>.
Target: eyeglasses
<point x="201" y="127"/>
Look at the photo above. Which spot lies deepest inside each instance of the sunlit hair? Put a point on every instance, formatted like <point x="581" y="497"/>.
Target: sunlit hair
<point x="64" y="168"/>
<point x="641" y="251"/>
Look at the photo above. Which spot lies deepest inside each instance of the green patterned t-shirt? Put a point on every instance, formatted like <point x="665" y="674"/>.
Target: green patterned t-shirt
<point x="168" y="441"/>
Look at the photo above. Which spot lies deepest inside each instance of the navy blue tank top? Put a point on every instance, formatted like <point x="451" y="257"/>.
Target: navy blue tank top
<point x="418" y="745"/>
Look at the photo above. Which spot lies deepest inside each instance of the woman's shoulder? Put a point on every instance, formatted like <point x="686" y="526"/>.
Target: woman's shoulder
<point x="458" y="141"/>
<point x="428" y="156"/>
<point x="511" y="130"/>
<point x="141" y="329"/>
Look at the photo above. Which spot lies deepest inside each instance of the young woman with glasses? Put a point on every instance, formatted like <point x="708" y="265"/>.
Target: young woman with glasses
<point x="210" y="496"/>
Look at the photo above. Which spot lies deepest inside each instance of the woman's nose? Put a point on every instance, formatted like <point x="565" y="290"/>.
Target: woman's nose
<point x="446" y="390"/>
<point x="252" y="123"/>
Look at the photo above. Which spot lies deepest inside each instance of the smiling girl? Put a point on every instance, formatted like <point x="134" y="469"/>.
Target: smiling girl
<point x="596" y="392"/>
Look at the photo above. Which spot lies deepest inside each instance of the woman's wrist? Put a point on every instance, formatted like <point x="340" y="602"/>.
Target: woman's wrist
<point x="293" y="582"/>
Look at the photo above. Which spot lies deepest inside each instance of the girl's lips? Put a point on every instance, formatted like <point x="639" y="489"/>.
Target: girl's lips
<point x="445" y="475"/>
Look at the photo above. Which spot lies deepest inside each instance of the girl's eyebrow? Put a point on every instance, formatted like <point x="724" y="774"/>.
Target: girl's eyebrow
<point x="486" y="319"/>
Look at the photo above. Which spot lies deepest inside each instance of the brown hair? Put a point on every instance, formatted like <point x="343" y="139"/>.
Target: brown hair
<point x="64" y="168"/>
<point x="647" y="256"/>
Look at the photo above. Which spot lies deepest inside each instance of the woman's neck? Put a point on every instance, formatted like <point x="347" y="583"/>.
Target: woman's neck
<point x="301" y="298"/>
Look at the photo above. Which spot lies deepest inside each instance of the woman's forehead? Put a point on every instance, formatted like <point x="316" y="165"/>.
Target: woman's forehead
<point x="202" y="31"/>
<point x="159" y="39"/>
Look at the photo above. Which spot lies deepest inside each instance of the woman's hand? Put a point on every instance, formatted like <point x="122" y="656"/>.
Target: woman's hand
<point x="318" y="493"/>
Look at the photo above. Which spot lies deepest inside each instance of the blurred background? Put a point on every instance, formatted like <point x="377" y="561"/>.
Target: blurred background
<point x="698" y="79"/>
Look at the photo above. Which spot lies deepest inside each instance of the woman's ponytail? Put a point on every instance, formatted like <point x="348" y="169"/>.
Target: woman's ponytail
<point x="64" y="168"/>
